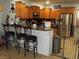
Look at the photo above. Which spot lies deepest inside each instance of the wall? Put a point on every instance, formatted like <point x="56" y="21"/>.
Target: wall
<point x="6" y="8"/>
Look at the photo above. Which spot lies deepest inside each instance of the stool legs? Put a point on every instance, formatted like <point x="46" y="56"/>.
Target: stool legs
<point x="6" y="44"/>
<point x="34" y="52"/>
<point x="28" y="48"/>
<point x="19" y="48"/>
<point x="24" y="49"/>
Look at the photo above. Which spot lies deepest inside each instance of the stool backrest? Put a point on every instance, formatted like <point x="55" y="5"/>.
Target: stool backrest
<point x="28" y="30"/>
<point x="17" y="28"/>
<point x="5" y="27"/>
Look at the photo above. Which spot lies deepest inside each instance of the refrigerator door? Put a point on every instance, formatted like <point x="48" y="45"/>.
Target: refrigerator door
<point x="66" y="24"/>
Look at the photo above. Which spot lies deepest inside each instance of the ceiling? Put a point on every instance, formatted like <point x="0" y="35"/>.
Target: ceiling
<point x="57" y="1"/>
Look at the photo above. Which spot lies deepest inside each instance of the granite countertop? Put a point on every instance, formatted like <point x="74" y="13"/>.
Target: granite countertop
<point x="42" y="28"/>
<point x="39" y="28"/>
<point x="35" y="28"/>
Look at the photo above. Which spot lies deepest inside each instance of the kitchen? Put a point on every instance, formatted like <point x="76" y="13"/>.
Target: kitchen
<point x="45" y="12"/>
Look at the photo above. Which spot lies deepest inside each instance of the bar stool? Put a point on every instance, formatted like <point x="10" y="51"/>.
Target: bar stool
<point x="20" y="37"/>
<point x="31" y="42"/>
<point x="8" y="35"/>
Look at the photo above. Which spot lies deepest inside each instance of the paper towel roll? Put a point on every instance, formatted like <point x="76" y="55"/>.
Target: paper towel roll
<point x="47" y="24"/>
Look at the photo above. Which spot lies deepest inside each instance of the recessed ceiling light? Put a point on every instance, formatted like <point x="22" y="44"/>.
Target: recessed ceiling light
<point x="47" y="2"/>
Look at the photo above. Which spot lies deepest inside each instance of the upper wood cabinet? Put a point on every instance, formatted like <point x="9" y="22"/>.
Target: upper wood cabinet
<point x="42" y="13"/>
<point x="49" y="13"/>
<point x="55" y="14"/>
<point x="27" y="12"/>
<point x="45" y="13"/>
<point x="67" y="9"/>
<point x="18" y="9"/>
<point x="34" y="9"/>
<point x="24" y="11"/>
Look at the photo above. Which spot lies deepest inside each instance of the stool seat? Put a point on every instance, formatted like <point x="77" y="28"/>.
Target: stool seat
<point x="10" y="33"/>
<point x="19" y="35"/>
<point x="31" y="38"/>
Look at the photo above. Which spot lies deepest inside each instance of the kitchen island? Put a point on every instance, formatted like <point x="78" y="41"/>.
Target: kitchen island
<point x="45" y="40"/>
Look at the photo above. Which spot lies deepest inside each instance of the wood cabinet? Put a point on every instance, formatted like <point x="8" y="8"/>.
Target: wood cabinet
<point x="67" y="9"/>
<point x="18" y="9"/>
<point x="49" y="13"/>
<point x="42" y="13"/>
<point x="34" y="9"/>
<point x="27" y="12"/>
<point x="45" y="13"/>
<point x="55" y="14"/>
<point x="24" y="11"/>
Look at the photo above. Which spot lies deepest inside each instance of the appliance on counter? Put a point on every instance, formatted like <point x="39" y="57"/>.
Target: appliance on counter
<point x="36" y="18"/>
<point x="67" y="28"/>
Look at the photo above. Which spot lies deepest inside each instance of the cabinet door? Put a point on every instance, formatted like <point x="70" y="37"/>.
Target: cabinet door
<point x="34" y="9"/>
<point x="18" y="9"/>
<point x="63" y="10"/>
<point x="42" y="13"/>
<point x="27" y="13"/>
<point x="45" y="13"/>
<point x="47" y="10"/>
<point x="70" y="10"/>
<point x="55" y="14"/>
<point x="67" y="9"/>
<point x="24" y="11"/>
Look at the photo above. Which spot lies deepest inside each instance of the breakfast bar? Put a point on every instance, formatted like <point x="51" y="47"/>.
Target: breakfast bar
<point x="45" y="39"/>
